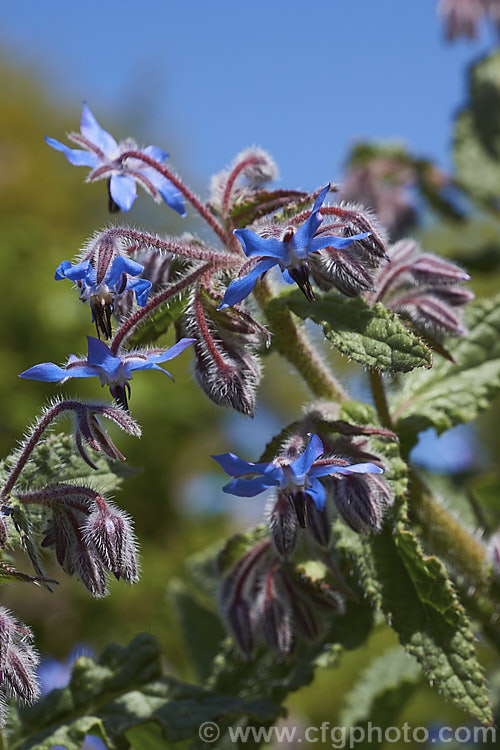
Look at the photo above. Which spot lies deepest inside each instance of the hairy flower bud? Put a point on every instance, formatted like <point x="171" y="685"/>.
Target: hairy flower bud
<point x="18" y="660"/>
<point x="355" y="219"/>
<point x="239" y="592"/>
<point x="343" y="270"/>
<point x="274" y="615"/>
<point x="424" y="288"/>
<point x="227" y="366"/>
<point x="361" y="501"/>
<point x="318" y="523"/>
<point x="109" y="531"/>
<point x="283" y="526"/>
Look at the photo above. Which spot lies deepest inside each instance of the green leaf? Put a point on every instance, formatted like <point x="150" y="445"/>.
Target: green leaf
<point x="421" y="605"/>
<point x="382" y="691"/>
<point x="158" y="323"/>
<point x="373" y="336"/>
<point x="453" y="393"/>
<point x="124" y="690"/>
<point x="477" y="133"/>
<point x="201" y="628"/>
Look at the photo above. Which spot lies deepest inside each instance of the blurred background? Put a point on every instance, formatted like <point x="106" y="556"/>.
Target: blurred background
<point x="363" y="94"/>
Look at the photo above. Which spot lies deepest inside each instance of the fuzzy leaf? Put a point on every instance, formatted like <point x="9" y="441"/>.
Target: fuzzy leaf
<point x="421" y="605"/>
<point x="382" y="691"/>
<point x="373" y="336"/>
<point x="453" y="393"/>
<point x="125" y="690"/>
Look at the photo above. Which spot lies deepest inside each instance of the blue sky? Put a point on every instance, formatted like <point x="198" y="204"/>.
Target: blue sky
<point x="206" y="78"/>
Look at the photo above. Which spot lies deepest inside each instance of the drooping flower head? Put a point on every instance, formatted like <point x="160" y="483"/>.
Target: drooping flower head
<point x="104" y="156"/>
<point x="297" y="480"/>
<point x="290" y="252"/>
<point x="102" y="287"/>
<point x="113" y="370"/>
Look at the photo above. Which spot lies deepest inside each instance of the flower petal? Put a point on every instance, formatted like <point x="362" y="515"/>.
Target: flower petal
<point x="119" y="266"/>
<point x="51" y="373"/>
<point x="74" y="272"/>
<point x="156" y="153"/>
<point x="238" y="289"/>
<point x="308" y="229"/>
<point x="326" y="470"/>
<point x="236" y="467"/>
<point x="246" y="487"/>
<point x="167" y="354"/>
<point x="92" y="131"/>
<point x="75" y="156"/>
<point x="123" y="191"/>
<point x="303" y="463"/>
<point x="338" y="243"/>
<point x="317" y="492"/>
<point x="141" y="288"/>
<point x="170" y="194"/>
<point x="253" y="244"/>
<point x="100" y="355"/>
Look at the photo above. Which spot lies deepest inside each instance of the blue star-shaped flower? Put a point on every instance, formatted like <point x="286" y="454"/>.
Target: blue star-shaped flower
<point x="289" y="253"/>
<point x="103" y="154"/>
<point x="111" y="369"/>
<point x="299" y="478"/>
<point x="102" y="289"/>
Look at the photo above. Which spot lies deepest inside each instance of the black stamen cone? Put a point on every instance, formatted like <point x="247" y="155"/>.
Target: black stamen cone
<point x="298" y="500"/>
<point x="301" y="277"/>
<point x="121" y="394"/>
<point x="113" y="207"/>
<point x="102" y="318"/>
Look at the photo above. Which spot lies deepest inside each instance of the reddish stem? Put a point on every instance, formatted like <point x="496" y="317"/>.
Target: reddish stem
<point x="198" y="205"/>
<point x="138" y="317"/>
<point x="33" y="440"/>
<point x="232" y="177"/>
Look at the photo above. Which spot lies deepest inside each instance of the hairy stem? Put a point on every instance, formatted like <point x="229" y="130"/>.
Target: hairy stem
<point x="127" y="328"/>
<point x="186" y="192"/>
<point x="380" y="399"/>
<point x="33" y="439"/>
<point x="294" y="345"/>
<point x="445" y="534"/>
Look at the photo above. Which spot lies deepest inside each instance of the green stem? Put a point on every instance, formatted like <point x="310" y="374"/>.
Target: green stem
<point x="380" y="399"/>
<point x="291" y="341"/>
<point x="446" y="535"/>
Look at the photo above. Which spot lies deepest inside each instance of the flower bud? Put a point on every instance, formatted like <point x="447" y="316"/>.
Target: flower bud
<point x="109" y="531"/>
<point x="18" y="660"/>
<point x="283" y="526"/>
<point x="226" y="364"/>
<point x="341" y="269"/>
<point x="240" y="620"/>
<point x="318" y="523"/>
<point x="356" y="219"/>
<point x="361" y="501"/>
<point x="275" y="613"/>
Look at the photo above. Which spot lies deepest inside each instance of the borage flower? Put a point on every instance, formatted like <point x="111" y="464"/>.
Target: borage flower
<point x="102" y="289"/>
<point x="105" y="157"/>
<point x="112" y="370"/>
<point x="290" y="252"/>
<point x="297" y="480"/>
